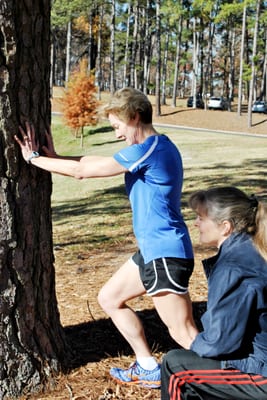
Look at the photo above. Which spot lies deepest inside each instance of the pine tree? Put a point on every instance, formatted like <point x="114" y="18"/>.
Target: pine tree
<point x="33" y="345"/>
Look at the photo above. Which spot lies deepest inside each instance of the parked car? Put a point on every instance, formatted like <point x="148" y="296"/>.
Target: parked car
<point x="217" y="103"/>
<point x="199" y="102"/>
<point x="259" y="106"/>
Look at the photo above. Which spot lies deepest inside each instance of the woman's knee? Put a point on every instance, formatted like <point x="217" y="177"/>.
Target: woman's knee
<point x="108" y="300"/>
<point x="103" y="299"/>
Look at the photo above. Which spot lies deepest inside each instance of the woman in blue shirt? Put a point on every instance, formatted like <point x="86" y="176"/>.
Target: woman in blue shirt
<point x="228" y="359"/>
<point x="164" y="261"/>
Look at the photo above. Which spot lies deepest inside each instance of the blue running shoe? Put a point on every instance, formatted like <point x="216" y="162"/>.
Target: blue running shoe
<point x="136" y="375"/>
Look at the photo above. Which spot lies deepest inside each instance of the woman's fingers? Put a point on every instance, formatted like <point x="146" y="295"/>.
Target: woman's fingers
<point x="26" y="140"/>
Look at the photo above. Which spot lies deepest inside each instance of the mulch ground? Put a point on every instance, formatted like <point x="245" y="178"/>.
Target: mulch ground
<point x="95" y="342"/>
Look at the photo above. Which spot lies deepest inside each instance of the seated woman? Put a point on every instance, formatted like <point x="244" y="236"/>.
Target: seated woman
<point x="228" y="359"/>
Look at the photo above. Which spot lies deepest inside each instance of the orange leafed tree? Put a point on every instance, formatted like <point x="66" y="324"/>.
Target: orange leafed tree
<point x="79" y="102"/>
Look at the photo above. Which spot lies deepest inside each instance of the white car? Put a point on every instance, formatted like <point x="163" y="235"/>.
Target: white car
<point x="217" y="103"/>
<point x="259" y="107"/>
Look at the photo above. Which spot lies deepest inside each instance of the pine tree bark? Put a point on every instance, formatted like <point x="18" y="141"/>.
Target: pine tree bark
<point x="253" y="65"/>
<point x="112" y="47"/>
<point x="177" y="61"/>
<point x="147" y="49"/>
<point x="32" y="343"/>
<point x="158" y="62"/>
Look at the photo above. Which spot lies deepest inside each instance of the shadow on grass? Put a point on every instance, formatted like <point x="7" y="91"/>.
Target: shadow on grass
<point x="101" y="129"/>
<point x="112" y="204"/>
<point x="100" y="339"/>
<point x="108" y="201"/>
<point x="178" y="111"/>
<point x="260" y="122"/>
<point x="104" y="143"/>
<point x="114" y="200"/>
<point x="250" y="177"/>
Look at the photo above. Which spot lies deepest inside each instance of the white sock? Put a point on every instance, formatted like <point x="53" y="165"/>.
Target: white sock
<point x="148" y="363"/>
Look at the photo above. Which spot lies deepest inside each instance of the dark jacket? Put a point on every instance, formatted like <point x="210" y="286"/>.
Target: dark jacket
<point x="235" y="323"/>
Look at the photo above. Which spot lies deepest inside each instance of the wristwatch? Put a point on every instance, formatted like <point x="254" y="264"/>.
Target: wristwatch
<point x="34" y="154"/>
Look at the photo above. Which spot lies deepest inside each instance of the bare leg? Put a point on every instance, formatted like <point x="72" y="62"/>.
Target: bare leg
<point x="176" y="312"/>
<point x="124" y="285"/>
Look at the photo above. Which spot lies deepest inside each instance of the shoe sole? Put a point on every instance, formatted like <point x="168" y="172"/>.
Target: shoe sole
<point x="146" y="384"/>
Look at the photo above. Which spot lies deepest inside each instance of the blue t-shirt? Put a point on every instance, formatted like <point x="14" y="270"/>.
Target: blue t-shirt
<point x="153" y="184"/>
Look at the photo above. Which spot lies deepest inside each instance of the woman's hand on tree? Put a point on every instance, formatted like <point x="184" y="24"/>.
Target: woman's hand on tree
<point x="28" y="144"/>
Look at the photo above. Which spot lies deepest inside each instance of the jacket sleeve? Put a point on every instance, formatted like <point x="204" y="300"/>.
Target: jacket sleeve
<point x="225" y="321"/>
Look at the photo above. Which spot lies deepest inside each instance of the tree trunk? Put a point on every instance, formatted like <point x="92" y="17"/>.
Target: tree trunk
<point x="231" y="77"/>
<point x="112" y="47"/>
<point x="125" y="80"/>
<point x="99" y="76"/>
<point x="164" y="68"/>
<point x="263" y="87"/>
<point x="90" y="41"/>
<point x="240" y="82"/>
<point x="148" y="45"/>
<point x="177" y="62"/>
<point x="195" y="61"/>
<point x="209" y="80"/>
<point x="32" y="345"/>
<point x="158" y="52"/>
<point x="253" y="66"/>
<point x="134" y="46"/>
<point x="68" y="49"/>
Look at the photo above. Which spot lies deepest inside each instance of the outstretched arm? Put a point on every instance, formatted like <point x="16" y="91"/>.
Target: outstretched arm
<point x="77" y="167"/>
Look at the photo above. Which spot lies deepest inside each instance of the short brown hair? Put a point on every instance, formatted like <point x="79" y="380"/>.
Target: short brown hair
<point x="126" y="102"/>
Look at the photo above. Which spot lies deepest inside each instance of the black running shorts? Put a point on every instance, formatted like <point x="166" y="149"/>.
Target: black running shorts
<point x="166" y="274"/>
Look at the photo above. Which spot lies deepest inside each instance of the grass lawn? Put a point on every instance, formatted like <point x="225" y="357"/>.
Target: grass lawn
<point x="209" y="159"/>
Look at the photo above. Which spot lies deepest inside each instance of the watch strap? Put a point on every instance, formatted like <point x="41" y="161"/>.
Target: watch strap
<point x="34" y="154"/>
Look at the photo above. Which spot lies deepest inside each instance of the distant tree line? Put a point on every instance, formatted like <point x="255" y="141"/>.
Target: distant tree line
<point x="171" y="48"/>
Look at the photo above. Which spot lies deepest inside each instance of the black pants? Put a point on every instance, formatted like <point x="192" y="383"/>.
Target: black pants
<point x="186" y="376"/>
